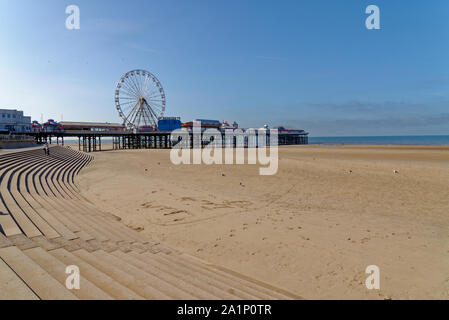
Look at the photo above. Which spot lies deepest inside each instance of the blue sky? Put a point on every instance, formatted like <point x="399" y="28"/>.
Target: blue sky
<point x="306" y="64"/>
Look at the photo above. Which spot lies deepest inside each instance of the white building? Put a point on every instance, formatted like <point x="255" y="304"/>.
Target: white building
<point x="14" y="121"/>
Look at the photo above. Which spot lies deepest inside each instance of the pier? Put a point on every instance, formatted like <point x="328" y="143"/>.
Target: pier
<point x="91" y="141"/>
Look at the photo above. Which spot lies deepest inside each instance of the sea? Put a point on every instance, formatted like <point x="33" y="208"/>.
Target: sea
<point x="370" y="140"/>
<point x="383" y="140"/>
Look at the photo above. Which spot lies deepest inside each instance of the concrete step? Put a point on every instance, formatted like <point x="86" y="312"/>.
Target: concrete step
<point x="12" y="287"/>
<point x="265" y="288"/>
<point x="27" y="226"/>
<point x="65" y="215"/>
<point x="107" y="246"/>
<point x="135" y="259"/>
<point x="47" y="215"/>
<point x="138" y="268"/>
<point x="158" y="286"/>
<point x="100" y="279"/>
<point x="42" y="284"/>
<point x="22" y="242"/>
<point x="37" y="193"/>
<point x="63" y="226"/>
<point x="195" y="279"/>
<point x="46" y="244"/>
<point x="84" y="221"/>
<point x="69" y="245"/>
<point x="99" y="260"/>
<point x="8" y="223"/>
<point x="8" y="226"/>
<point x="57" y="179"/>
<point x="257" y="292"/>
<point x="230" y="284"/>
<point x="4" y="242"/>
<point x="57" y="269"/>
<point x="37" y="220"/>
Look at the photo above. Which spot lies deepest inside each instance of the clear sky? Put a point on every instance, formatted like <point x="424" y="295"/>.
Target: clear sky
<point x="309" y="64"/>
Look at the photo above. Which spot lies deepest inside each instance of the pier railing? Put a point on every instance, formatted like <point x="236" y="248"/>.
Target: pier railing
<point x="13" y="138"/>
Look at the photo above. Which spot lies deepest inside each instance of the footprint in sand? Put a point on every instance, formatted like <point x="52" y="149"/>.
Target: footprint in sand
<point x="174" y="212"/>
<point x="188" y="199"/>
<point x="365" y="240"/>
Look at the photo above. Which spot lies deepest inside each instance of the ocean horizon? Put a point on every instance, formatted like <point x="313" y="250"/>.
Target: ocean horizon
<point x="431" y="140"/>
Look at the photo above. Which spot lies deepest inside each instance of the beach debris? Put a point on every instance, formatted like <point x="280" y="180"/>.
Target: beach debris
<point x="350" y="171"/>
<point x="242" y="184"/>
<point x="223" y="175"/>
<point x="395" y="171"/>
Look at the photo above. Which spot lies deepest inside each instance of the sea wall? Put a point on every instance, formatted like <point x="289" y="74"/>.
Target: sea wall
<point x="16" y="141"/>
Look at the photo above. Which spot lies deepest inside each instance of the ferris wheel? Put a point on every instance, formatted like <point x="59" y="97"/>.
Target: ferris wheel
<point x="139" y="99"/>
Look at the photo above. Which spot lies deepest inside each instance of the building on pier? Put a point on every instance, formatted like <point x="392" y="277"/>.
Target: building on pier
<point x="67" y="126"/>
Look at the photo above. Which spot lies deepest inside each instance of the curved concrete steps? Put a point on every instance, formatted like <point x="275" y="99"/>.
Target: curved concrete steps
<point x="47" y="225"/>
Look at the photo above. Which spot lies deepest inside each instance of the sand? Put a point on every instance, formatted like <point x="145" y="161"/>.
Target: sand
<point x="312" y="229"/>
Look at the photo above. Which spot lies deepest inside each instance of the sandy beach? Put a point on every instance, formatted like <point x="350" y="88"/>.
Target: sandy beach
<point x="312" y="229"/>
